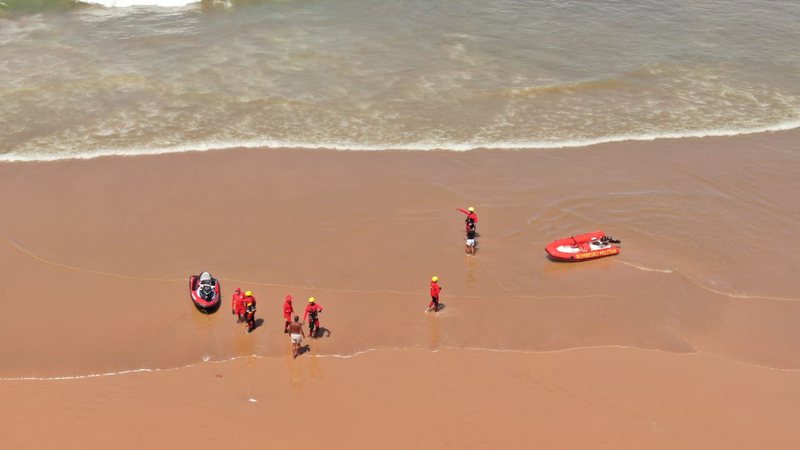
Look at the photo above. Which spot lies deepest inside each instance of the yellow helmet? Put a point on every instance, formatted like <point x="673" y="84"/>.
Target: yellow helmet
<point x="434" y="278"/>
<point x="471" y="209"/>
<point x="311" y="299"/>
<point x="248" y="294"/>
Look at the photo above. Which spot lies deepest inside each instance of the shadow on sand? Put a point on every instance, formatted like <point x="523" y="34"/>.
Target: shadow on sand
<point x="320" y="332"/>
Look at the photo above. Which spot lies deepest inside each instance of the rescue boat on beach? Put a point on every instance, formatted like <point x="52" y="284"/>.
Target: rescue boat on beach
<point x="205" y="292"/>
<point x="582" y="247"/>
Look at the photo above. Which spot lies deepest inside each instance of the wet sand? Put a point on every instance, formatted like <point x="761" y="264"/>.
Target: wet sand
<point x="687" y="339"/>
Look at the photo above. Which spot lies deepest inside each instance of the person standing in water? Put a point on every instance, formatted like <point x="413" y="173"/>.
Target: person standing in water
<point x="250" y="311"/>
<point x="296" y="335"/>
<point x="471" y="221"/>
<point x="469" y="247"/>
<point x="435" y="290"/>
<point x="311" y="314"/>
<point x="288" y="309"/>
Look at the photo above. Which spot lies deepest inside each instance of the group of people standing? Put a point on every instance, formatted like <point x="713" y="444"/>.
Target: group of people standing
<point x="470" y="225"/>
<point x="243" y="306"/>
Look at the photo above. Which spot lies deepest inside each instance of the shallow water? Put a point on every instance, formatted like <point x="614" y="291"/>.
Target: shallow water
<point x="376" y="75"/>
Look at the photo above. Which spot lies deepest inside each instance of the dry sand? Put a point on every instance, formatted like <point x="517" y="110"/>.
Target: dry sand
<point x="688" y="339"/>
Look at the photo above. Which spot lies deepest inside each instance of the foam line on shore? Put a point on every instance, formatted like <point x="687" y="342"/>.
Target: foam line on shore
<point x="217" y="145"/>
<point x="414" y="348"/>
<point x="42" y="260"/>
<point x="643" y="268"/>
<point x="746" y="296"/>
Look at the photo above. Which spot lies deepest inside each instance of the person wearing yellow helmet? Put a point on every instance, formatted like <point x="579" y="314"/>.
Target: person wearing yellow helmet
<point x="250" y="311"/>
<point x="472" y="218"/>
<point x="435" y="290"/>
<point x="312" y="315"/>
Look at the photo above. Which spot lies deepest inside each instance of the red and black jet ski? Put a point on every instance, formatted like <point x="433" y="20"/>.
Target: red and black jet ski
<point x="582" y="247"/>
<point x="205" y="292"/>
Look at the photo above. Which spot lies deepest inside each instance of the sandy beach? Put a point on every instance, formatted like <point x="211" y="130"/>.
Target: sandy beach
<point x="687" y="339"/>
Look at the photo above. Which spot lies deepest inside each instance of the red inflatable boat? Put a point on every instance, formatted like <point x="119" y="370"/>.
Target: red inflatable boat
<point x="205" y="292"/>
<point x="583" y="247"/>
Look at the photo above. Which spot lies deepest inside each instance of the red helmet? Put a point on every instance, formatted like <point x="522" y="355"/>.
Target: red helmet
<point x="238" y="290"/>
<point x="288" y="297"/>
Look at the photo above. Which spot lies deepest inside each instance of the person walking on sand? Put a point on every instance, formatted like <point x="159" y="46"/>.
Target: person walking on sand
<point x="435" y="290"/>
<point x="250" y="311"/>
<point x="296" y="335"/>
<point x="471" y="221"/>
<point x="312" y="314"/>
<point x="287" y="312"/>
<point x="237" y="305"/>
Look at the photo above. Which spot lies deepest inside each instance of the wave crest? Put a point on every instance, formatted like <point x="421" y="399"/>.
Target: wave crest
<point x="418" y="146"/>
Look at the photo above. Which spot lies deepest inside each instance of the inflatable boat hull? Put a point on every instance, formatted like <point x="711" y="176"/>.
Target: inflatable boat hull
<point x="581" y="248"/>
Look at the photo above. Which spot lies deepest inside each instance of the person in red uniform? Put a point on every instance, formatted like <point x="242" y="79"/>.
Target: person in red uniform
<point x="287" y="312"/>
<point x="472" y="219"/>
<point x="435" y="290"/>
<point x="237" y="305"/>
<point x="250" y="311"/>
<point x="312" y="314"/>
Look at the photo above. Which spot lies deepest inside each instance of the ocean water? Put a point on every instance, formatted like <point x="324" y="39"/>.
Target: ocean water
<point x="370" y="74"/>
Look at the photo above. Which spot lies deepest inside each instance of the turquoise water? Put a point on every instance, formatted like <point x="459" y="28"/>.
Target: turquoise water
<point x="361" y="74"/>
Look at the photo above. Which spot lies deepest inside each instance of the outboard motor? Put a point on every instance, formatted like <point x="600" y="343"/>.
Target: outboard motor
<point x="609" y="240"/>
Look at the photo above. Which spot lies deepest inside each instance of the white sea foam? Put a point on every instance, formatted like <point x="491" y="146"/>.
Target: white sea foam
<point x="129" y="3"/>
<point x="419" y="146"/>
<point x="580" y="348"/>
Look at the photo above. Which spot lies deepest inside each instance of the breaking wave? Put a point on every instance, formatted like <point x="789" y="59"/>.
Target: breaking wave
<point x="46" y="155"/>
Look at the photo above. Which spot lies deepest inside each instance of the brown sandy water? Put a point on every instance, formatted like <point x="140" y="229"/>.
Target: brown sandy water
<point x="687" y="339"/>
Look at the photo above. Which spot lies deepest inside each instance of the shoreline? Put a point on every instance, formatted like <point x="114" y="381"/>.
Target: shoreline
<point x="452" y="399"/>
<point x="384" y="351"/>
<point x="783" y="127"/>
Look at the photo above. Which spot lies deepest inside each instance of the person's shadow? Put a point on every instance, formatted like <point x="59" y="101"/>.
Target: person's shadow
<point x="321" y="332"/>
<point x="441" y="307"/>
<point x="257" y="324"/>
<point x="303" y="349"/>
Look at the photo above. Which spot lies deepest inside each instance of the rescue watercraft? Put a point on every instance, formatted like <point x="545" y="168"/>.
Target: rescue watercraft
<point x="583" y="246"/>
<point x="205" y="292"/>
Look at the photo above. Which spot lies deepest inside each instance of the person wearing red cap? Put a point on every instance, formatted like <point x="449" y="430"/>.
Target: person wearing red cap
<point x="237" y="305"/>
<point x="250" y="311"/>
<point x="287" y="312"/>
<point x="435" y="290"/>
<point x="312" y="311"/>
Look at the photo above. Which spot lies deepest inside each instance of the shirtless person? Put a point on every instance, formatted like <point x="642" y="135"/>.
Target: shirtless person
<point x="296" y="334"/>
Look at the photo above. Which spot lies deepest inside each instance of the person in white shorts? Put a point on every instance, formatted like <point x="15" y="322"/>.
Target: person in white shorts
<point x="469" y="247"/>
<point x="296" y="334"/>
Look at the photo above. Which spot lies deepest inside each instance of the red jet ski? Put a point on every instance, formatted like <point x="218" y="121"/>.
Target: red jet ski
<point x="583" y="247"/>
<point x="205" y="292"/>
